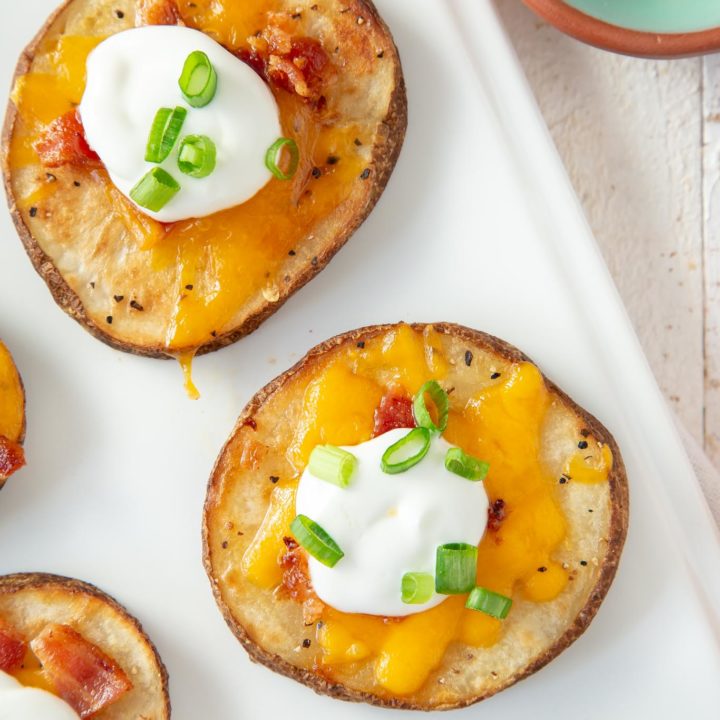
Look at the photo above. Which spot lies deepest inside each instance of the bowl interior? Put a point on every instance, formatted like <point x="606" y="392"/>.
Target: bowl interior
<point x="658" y="16"/>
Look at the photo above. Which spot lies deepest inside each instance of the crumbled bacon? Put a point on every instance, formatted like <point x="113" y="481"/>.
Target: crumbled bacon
<point x="496" y="514"/>
<point x="12" y="457"/>
<point x="64" y="143"/>
<point x="394" y="411"/>
<point x="157" y="12"/>
<point x="82" y="674"/>
<point x="12" y="648"/>
<point x="296" y="64"/>
<point x="296" y="583"/>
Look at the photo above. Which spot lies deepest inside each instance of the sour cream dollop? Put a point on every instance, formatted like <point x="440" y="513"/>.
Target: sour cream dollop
<point x="388" y="525"/>
<point x="132" y="74"/>
<point x="25" y="703"/>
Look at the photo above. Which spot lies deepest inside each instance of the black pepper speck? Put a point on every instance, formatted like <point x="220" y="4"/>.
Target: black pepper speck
<point x="582" y="444"/>
<point x="542" y="568"/>
<point x="468" y="358"/>
<point x="135" y="305"/>
<point x="108" y="319"/>
<point x="361" y="344"/>
<point x="118" y="298"/>
<point x="333" y="160"/>
<point x="583" y="563"/>
<point x="119" y="14"/>
<point x="316" y="172"/>
<point x="495" y="376"/>
<point x="188" y="287"/>
<point x="306" y="643"/>
<point x="33" y="211"/>
<point x="274" y="479"/>
<point x="365" y="174"/>
<point x="292" y="253"/>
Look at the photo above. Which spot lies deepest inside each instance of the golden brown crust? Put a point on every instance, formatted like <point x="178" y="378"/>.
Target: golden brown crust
<point x="125" y="629"/>
<point x="384" y="156"/>
<point x="618" y="489"/>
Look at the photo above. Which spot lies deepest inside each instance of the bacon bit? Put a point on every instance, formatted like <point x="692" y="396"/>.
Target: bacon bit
<point x="296" y="583"/>
<point x="12" y="648"/>
<point x="297" y="65"/>
<point x="158" y="12"/>
<point x="295" y="580"/>
<point x="12" y="457"/>
<point x="394" y="411"/>
<point x="496" y="514"/>
<point x="82" y="674"/>
<point x="64" y="143"/>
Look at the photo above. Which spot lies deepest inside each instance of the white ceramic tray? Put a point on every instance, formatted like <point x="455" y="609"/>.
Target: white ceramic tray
<point x="479" y="226"/>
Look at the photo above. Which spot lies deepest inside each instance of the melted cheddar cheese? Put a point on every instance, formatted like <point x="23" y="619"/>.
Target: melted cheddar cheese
<point x="501" y="424"/>
<point x="12" y="400"/>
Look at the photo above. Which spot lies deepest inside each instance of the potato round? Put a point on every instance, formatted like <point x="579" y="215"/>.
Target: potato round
<point x="29" y="601"/>
<point x="270" y="626"/>
<point x="97" y="260"/>
<point x="12" y="401"/>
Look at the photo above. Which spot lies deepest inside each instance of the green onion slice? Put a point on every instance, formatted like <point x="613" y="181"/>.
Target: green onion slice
<point x="164" y="133"/>
<point x="274" y="154"/>
<point x="455" y="568"/>
<point x="197" y="156"/>
<point x="198" y="81"/>
<point x="489" y="602"/>
<point x="442" y="403"/>
<point x="316" y="541"/>
<point x="464" y="465"/>
<point x="406" y="452"/>
<point x="332" y="464"/>
<point x="417" y="587"/>
<point x="155" y="190"/>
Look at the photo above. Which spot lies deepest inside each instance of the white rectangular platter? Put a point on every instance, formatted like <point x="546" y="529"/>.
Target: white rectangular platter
<point x="478" y="226"/>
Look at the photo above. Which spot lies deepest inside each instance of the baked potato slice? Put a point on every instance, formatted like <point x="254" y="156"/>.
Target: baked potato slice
<point x="32" y="602"/>
<point x="12" y="416"/>
<point x="556" y="476"/>
<point x="197" y="285"/>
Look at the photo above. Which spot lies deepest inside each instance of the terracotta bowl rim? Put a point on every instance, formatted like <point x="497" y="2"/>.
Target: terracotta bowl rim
<point x="601" y="34"/>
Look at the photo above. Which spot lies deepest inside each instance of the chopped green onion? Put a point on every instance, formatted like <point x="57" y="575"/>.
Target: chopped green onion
<point x="316" y="541"/>
<point x="467" y="466"/>
<point x="272" y="158"/>
<point x="455" y="568"/>
<point x="155" y="190"/>
<point x="197" y="156"/>
<point x="332" y="464"/>
<point x="489" y="602"/>
<point x="198" y="81"/>
<point x="442" y="403"/>
<point x="417" y="588"/>
<point x="164" y="133"/>
<point x="406" y="452"/>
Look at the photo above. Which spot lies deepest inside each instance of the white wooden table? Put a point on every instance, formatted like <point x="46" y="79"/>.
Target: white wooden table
<point x="641" y="142"/>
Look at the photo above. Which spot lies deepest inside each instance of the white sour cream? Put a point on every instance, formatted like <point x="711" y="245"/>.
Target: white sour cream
<point x="388" y="525"/>
<point x="25" y="703"/>
<point x="132" y="74"/>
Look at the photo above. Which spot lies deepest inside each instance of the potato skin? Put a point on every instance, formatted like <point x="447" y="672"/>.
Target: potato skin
<point x="58" y="593"/>
<point x="21" y="438"/>
<point x="384" y="157"/>
<point x="618" y="490"/>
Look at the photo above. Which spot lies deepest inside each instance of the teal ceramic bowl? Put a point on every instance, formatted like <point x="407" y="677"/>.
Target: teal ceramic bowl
<point x="648" y="28"/>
